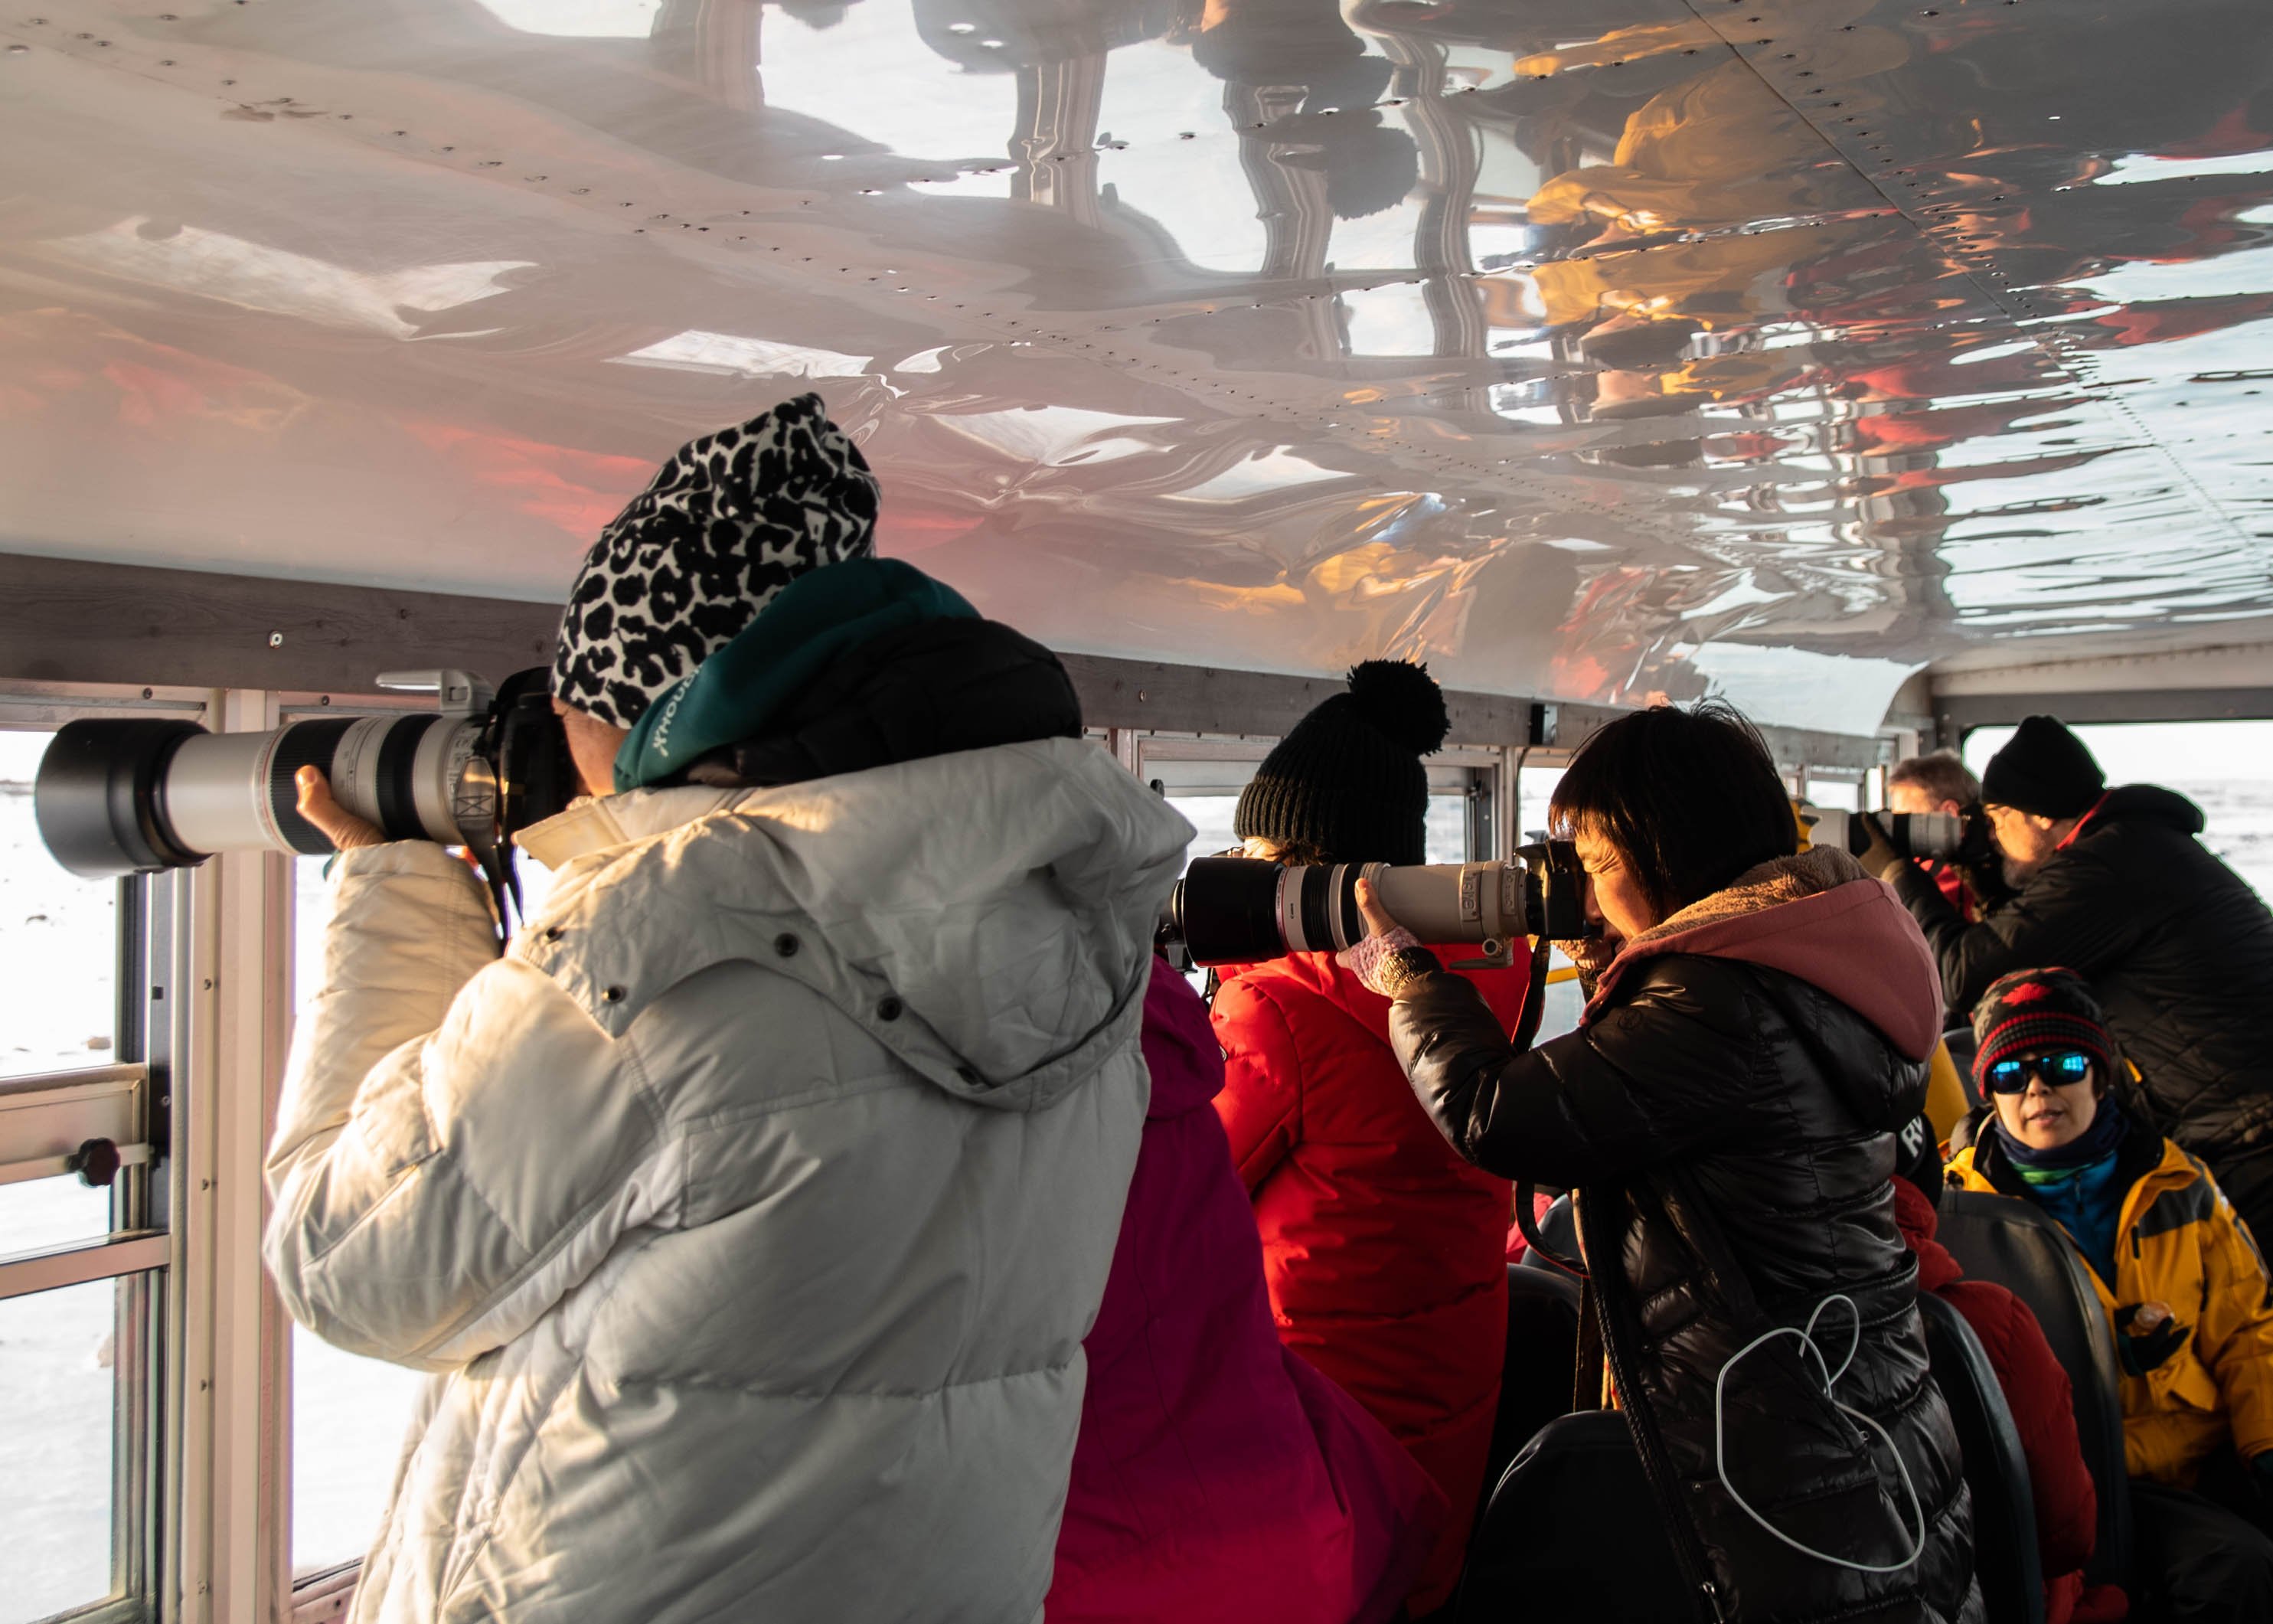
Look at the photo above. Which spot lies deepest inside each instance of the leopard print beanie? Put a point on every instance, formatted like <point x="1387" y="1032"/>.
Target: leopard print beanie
<point x="727" y="523"/>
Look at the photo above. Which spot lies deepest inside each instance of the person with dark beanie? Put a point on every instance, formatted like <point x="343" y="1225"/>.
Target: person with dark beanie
<point x="2176" y="947"/>
<point x="2181" y="1283"/>
<point x="1384" y="1251"/>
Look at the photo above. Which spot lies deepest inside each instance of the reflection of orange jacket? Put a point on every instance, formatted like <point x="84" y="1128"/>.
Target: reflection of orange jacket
<point x="1711" y="154"/>
<point x="2179" y="1241"/>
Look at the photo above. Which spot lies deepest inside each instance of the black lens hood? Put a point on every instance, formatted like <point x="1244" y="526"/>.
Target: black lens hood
<point x="96" y="798"/>
<point x="1226" y="910"/>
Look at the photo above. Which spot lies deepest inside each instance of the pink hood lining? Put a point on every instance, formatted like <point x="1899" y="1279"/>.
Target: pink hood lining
<point x="1817" y="916"/>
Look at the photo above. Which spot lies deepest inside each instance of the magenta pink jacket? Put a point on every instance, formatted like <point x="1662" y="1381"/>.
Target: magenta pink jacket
<point x="1217" y="1475"/>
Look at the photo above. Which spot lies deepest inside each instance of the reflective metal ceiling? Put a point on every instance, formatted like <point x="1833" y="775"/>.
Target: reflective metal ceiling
<point x="1595" y="349"/>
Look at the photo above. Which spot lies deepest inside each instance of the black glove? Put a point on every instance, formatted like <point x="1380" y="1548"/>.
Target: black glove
<point x="2142" y="1351"/>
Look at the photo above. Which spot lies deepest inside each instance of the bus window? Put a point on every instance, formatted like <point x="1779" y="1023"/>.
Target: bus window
<point x="1565" y="999"/>
<point x="57" y="1451"/>
<point x="59" y="1392"/>
<point x="1211" y="815"/>
<point x="58" y="1003"/>
<point x="2226" y="768"/>
<point x="348" y="1413"/>
<point x="1446" y="841"/>
<point x="1536" y="789"/>
<point x="58" y="997"/>
<point x="1834" y="795"/>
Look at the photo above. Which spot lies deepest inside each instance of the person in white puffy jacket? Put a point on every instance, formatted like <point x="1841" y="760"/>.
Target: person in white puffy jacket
<point x="752" y="1207"/>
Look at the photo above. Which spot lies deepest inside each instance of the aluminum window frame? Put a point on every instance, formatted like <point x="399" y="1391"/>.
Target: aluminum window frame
<point x="131" y="1095"/>
<point x="200" y="1493"/>
<point x="1194" y="765"/>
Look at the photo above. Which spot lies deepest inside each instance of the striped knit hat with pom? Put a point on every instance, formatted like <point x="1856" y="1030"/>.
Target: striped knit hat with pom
<point x="2040" y="1009"/>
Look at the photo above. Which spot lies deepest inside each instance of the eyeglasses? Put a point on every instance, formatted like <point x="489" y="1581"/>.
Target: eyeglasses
<point x="2061" y="1069"/>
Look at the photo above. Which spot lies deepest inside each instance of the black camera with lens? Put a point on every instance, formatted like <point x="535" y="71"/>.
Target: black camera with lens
<point x="1926" y="837"/>
<point x="1239" y="910"/>
<point x="137" y="795"/>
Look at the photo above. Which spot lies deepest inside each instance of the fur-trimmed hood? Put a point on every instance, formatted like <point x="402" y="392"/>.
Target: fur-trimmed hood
<point x="1819" y="917"/>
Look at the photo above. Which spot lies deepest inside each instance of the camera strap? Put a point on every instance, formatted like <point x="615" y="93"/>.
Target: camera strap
<point x="1535" y="996"/>
<point x="1587" y="1365"/>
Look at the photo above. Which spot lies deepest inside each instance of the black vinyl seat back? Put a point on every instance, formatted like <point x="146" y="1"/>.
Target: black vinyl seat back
<point x="2005" y="1556"/>
<point x="1572" y="1532"/>
<point x="2006" y="1240"/>
<point x="1558" y="1227"/>
<point x="1536" y="1373"/>
<point x="1961" y="1045"/>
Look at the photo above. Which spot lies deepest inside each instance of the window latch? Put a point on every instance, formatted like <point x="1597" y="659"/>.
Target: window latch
<point x="96" y="1161"/>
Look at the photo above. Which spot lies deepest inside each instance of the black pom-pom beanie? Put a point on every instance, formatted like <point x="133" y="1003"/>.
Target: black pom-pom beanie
<point x="2046" y="770"/>
<point x="1346" y="785"/>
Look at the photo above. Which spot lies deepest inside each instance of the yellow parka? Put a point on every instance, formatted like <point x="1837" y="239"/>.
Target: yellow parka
<point x="2178" y="1241"/>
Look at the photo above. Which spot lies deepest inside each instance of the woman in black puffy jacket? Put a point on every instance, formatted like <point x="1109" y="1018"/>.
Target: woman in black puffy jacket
<point x="1759" y="1027"/>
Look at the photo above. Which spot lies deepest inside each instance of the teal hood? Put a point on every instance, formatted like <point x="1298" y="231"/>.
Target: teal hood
<point x="738" y="690"/>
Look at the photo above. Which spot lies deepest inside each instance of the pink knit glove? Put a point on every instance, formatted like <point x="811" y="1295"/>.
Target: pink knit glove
<point x="1373" y="962"/>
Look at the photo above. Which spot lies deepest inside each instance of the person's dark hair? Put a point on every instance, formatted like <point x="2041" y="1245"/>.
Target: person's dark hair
<point x="1690" y="798"/>
<point x="1941" y="774"/>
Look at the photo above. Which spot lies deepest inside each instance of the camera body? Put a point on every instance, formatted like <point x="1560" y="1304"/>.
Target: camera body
<point x="1239" y="910"/>
<point x="138" y="795"/>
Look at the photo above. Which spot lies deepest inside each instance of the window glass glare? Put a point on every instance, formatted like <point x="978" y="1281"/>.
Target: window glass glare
<point x="1832" y="795"/>
<point x="59" y="1398"/>
<point x="58" y="944"/>
<point x="1446" y="840"/>
<point x="348" y="1414"/>
<point x="1211" y="815"/>
<point x="1536" y="790"/>
<point x="43" y="1213"/>
<point x="1564" y="1002"/>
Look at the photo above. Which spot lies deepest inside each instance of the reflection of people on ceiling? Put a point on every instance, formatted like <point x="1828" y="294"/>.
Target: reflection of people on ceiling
<point x="1324" y="116"/>
<point x="1058" y="50"/>
<point x="997" y="36"/>
<point x="1694" y="167"/>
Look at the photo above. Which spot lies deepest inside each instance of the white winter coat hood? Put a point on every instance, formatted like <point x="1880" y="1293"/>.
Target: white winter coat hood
<point x="1006" y="896"/>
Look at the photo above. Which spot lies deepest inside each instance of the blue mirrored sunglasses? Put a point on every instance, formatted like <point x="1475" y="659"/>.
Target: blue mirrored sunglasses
<point x="2061" y="1069"/>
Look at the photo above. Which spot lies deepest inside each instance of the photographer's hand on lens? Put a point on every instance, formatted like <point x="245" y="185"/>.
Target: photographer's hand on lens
<point x="1390" y="955"/>
<point x="1879" y="856"/>
<point x="1376" y="917"/>
<point x="342" y="828"/>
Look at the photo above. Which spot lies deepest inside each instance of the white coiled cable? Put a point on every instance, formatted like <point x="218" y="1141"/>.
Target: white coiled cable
<point x="1830" y="1379"/>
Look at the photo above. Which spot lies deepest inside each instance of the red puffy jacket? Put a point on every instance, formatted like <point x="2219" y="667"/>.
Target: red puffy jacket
<point x="2043" y="1413"/>
<point x="1384" y="1250"/>
<point x="1217" y="1478"/>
